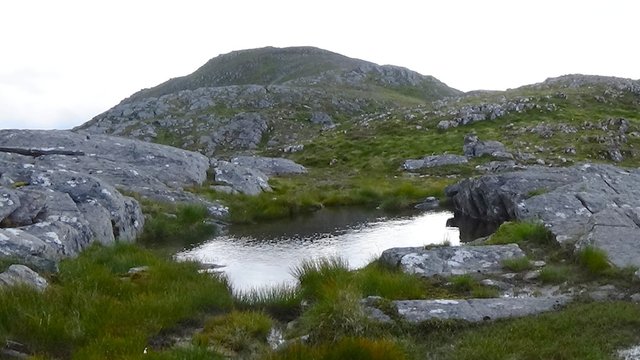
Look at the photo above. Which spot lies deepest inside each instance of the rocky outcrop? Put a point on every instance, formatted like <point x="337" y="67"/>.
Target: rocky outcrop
<point x="270" y="166"/>
<point x="244" y="131"/>
<point x="250" y="174"/>
<point x="583" y="205"/>
<point x="434" y="161"/>
<point x="17" y="275"/>
<point x="476" y="310"/>
<point x="65" y="194"/>
<point x="448" y="260"/>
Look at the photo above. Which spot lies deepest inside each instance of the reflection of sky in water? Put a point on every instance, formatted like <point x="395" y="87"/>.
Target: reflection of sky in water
<point x="252" y="261"/>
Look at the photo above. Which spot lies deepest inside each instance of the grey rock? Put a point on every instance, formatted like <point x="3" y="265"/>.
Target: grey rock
<point x="9" y="202"/>
<point x="632" y="353"/>
<point x="434" y="161"/>
<point x="531" y="275"/>
<point x="270" y="166"/>
<point x="430" y="203"/>
<point x="447" y="261"/>
<point x="322" y="118"/>
<point x="22" y="275"/>
<point x="242" y="179"/>
<point x="583" y="205"/>
<point x="138" y="270"/>
<point x="635" y="297"/>
<point x="293" y="148"/>
<point x="476" y="310"/>
<point x="244" y="131"/>
<point x="473" y="147"/>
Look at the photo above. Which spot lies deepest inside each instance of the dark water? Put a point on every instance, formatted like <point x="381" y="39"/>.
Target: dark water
<point x="255" y="256"/>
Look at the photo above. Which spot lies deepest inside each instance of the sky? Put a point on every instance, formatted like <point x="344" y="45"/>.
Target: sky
<point x="63" y="62"/>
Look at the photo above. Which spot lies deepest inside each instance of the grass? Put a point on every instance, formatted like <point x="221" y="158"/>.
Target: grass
<point x="282" y="302"/>
<point x="594" y="260"/>
<point x="582" y="331"/>
<point x="180" y="226"/>
<point x="352" y="348"/>
<point x="555" y="274"/>
<point x="94" y="308"/>
<point x="236" y="333"/>
<point x="517" y="264"/>
<point x="521" y="232"/>
<point x="468" y="286"/>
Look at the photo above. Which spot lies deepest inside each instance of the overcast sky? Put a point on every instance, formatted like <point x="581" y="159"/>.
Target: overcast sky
<point x="63" y="62"/>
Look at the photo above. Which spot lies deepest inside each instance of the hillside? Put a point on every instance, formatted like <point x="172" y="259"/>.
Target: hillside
<point x="266" y="96"/>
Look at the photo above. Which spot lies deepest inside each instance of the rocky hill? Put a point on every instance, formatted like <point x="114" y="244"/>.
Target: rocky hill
<point x="267" y="97"/>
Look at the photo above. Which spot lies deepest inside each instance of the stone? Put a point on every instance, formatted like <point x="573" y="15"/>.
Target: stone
<point x="293" y="148"/>
<point x="23" y="275"/>
<point x="635" y="297"/>
<point x="429" y="203"/>
<point x="434" y="161"/>
<point x="632" y="353"/>
<point x="473" y="147"/>
<point x="322" y="118"/>
<point x="531" y="275"/>
<point x="583" y="205"/>
<point x="476" y="310"/>
<point x="270" y="166"/>
<point x="242" y="179"/>
<point x="448" y="261"/>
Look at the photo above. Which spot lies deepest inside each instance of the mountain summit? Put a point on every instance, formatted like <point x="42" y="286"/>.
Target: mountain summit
<point x="301" y="66"/>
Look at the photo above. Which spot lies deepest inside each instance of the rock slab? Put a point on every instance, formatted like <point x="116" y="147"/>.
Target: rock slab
<point x="476" y="310"/>
<point x="451" y="260"/>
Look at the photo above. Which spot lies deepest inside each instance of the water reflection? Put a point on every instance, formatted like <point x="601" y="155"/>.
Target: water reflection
<point x="263" y="255"/>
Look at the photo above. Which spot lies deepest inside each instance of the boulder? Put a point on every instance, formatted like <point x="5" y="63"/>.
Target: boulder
<point x="270" y="166"/>
<point x="583" y="205"/>
<point x="473" y="147"/>
<point x="242" y="179"/>
<point x="22" y="275"/>
<point x="322" y="118"/>
<point x="434" y="161"/>
<point x="451" y="260"/>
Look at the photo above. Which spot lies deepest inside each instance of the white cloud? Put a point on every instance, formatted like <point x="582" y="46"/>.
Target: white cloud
<point x="66" y="61"/>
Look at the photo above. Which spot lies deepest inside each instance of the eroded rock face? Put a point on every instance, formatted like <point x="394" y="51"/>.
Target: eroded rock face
<point x="451" y="260"/>
<point x="583" y="205"/>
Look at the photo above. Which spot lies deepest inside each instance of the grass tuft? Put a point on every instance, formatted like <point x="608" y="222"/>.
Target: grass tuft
<point x="517" y="264"/>
<point x="554" y="274"/>
<point x="519" y="232"/>
<point x="238" y="332"/>
<point x="594" y="260"/>
<point x="352" y="348"/>
<point x="282" y="302"/>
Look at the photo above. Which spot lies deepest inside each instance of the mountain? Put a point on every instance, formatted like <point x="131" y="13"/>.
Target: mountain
<point x="268" y="97"/>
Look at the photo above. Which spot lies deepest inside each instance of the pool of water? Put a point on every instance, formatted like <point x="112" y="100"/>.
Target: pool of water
<point x="255" y="256"/>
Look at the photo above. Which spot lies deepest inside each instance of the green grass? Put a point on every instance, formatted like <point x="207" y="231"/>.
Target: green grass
<point x="555" y="274"/>
<point x="582" y="331"/>
<point x="179" y="226"/>
<point x="521" y="232"/>
<point x="517" y="264"/>
<point x="468" y="286"/>
<point x="352" y="348"/>
<point x="94" y="309"/>
<point x="236" y="332"/>
<point x="282" y="302"/>
<point x="594" y="260"/>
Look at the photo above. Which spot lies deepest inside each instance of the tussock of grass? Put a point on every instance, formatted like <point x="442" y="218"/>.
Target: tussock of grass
<point x="594" y="260"/>
<point x="94" y="309"/>
<point x="517" y="264"/>
<point x="554" y="274"/>
<point x="186" y="227"/>
<point x="238" y="332"/>
<point x="582" y="331"/>
<point x="282" y="302"/>
<point x="468" y="286"/>
<point x="520" y="232"/>
<point x="348" y="348"/>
